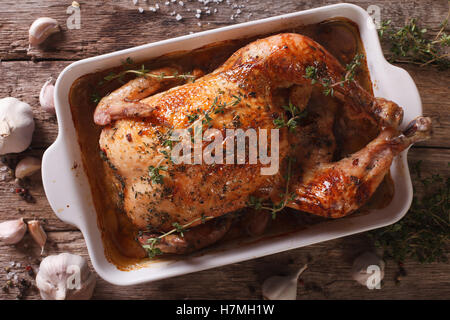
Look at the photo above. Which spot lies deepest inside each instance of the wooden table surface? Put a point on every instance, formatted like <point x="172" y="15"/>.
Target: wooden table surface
<point x="108" y="26"/>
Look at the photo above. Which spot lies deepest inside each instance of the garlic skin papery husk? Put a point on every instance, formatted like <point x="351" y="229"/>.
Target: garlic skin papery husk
<point x="27" y="166"/>
<point x="282" y="287"/>
<point x="46" y="97"/>
<point x="38" y="233"/>
<point x="41" y="29"/>
<point x="361" y="266"/>
<point x="11" y="232"/>
<point x="16" y="125"/>
<point x="65" y="277"/>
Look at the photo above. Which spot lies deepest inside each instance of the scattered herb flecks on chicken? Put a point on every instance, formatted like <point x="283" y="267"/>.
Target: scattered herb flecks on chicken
<point x="412" y="44"/>
<point x="424" y="233"/>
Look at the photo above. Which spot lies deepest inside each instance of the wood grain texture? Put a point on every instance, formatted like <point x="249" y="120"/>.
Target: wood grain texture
<point x="108" y="26"/>
<point x="101" y="19"/>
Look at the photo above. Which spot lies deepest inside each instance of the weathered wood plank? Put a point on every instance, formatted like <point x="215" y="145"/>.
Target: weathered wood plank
<point x="328" y="275"/>
<point x="112" y="25"/>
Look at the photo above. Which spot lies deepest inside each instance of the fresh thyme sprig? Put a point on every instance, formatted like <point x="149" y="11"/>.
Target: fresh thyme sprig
<point x="424" y="233"/>
<point x="143" y="72"/>
<point x="151" y="246"/>
<point x="294" y="116"/>
<point x="411" y="44"/>
<point x="312" y="72"/>
<point x="287" y="196"/>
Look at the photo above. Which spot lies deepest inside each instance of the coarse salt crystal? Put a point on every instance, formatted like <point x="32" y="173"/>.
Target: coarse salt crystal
<point x="135" y="2"/>
<point x="181" y="3"/>
<point x="140" y="10"/>
<point x="178" y="17"/>
<point x="197" y="15"/>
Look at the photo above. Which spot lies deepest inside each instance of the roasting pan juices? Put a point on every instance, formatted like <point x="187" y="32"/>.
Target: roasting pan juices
<point x="331" y="28"/>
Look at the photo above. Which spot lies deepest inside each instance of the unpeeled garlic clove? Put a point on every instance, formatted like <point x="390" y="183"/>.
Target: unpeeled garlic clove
<point x="11" y="232"/>
<point x="27" y="166"/>
<point x="282" y="287"/>
<point x="360" y="269"/>
<point x="38" y="233"/>
<point x="46" y="96"/>
<point x="41" y="29"/>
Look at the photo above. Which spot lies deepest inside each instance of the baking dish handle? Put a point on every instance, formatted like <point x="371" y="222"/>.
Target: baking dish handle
<point x="63" y="179"/>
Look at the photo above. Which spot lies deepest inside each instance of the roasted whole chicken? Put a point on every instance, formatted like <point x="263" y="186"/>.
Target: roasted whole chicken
<point x="250" y="90"/>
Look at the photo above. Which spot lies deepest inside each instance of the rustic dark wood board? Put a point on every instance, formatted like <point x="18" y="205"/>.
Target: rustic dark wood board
<point x="107" y="26"/>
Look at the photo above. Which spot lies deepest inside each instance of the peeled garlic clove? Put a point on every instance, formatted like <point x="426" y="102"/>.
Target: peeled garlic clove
<point x="361" y="272"/>
<point x="65" y="277"/>
<point x="11" y="232"/>
<point x="282" y="287"/>
<point x="38" y="233"/>
<point x="27" y="166"/>
<point x="41" y="29"/>
<point x="46" y="97"/>
<point x="16" y="125"/>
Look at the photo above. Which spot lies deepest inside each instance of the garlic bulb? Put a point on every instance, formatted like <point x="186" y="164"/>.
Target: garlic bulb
<point x="65" y="277"/>
<point x="41" y="29"/>
<point x="27" y="166"/>
<point x="46" y="96"/>
<point x="282" y="287"/>
<point x="11" y="232"/>
<point x="368" y="270"/>
<point x="16" y="125"/>
<point x="38" y="233"/>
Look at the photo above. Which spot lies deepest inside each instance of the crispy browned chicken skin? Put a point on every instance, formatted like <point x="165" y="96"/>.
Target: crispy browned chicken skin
<point x="138" y="114"/>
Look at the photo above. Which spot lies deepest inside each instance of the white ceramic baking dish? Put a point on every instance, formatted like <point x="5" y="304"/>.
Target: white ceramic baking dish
<point x="69" y="193"/>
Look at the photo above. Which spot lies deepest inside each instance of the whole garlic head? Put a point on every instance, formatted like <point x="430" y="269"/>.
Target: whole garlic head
<point x="11" y="232"/>
<point x="16" y="125"/>
<point x="65" y="277"/>
<point x="364" y="267"/>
